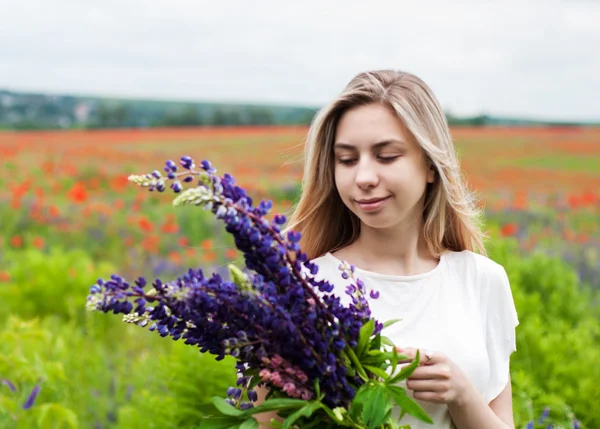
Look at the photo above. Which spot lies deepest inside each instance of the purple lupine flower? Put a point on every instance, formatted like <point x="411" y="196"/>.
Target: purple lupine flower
<point x="252" y="395"/>
<point x="245" y="405"/>
<point x="576" y="424"/>
<point x="529" y="425"/>
<point x="32" y="397"/>
<point x="544" y="415"/>
<point x="275" y="317"/>
<point x="9" y="384"/>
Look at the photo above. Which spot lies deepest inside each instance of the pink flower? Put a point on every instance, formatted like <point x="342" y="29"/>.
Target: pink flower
<point x="276" y="361"/>
<point x="302" y="378"/>
<point x="265" y="374"/>
<point x="290" y="389"/>
<point x="276" y="379"/>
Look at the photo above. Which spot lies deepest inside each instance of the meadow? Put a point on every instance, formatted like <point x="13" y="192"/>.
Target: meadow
<point x="68" y="216"/>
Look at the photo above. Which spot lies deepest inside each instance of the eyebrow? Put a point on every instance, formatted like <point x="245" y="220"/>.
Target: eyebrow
<point x="375" y="146"/>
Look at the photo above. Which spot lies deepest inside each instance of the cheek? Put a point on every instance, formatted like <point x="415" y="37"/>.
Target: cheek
<point x="412" y="176"/>
<point x="342" y="183"/>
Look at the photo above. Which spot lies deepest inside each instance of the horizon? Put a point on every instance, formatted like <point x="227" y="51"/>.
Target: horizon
<point x="125" y="98"/>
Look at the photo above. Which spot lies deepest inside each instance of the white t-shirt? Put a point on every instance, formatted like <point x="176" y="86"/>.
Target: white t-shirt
<point x="463" y="308"/>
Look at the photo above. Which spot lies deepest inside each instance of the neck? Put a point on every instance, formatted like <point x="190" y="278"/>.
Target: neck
<point x="402" y="251"/>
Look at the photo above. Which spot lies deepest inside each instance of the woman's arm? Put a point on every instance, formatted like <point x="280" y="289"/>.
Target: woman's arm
<point x="498" y="414"/>
<point x="264" y="419"/>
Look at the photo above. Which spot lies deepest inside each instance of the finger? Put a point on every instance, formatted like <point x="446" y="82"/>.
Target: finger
<point x="426" y="357"/>
<point x="407" y="354"/>
<point x="424" y="373"/>
<point x="424" y="385"/>
<point x="434" y="397"/>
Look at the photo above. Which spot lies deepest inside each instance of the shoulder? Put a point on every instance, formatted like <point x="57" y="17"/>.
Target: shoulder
<point x="491" y="280"/>
<point x="324" y="258"/>
<point x="475" y="265"/>
<point x="482" y="275"/>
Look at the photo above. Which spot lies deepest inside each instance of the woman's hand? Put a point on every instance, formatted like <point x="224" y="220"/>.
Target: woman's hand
<point x="437" y="379"/>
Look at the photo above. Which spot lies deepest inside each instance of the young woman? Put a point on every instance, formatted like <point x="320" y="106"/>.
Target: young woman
<point x="382" y="190"/>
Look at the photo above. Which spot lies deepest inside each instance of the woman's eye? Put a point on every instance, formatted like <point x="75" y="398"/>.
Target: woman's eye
<point x="389" y="158"/>
<point x="346" y="161"/>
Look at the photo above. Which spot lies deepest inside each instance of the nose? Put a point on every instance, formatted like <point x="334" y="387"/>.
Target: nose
<point x="366" y="174"/>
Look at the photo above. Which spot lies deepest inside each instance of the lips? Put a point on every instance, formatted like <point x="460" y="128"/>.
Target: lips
<point x="371" y="200"/>
<point x="371" y="204"/>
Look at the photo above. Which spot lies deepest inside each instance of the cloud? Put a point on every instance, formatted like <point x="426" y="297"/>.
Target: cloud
<point x="510" y="57"/>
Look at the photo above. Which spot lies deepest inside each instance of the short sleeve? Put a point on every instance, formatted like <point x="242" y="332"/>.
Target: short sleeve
<point x="501" y="321"/>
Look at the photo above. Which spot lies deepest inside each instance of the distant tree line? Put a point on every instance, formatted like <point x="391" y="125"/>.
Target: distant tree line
<point x="123" y="116"/>
<point x="24" y="111"/>
<point x="192" y="116"/>
<point x="39" y="111"/>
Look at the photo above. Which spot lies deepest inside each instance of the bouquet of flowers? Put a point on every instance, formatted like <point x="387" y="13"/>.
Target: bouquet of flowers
<point x="324" y="364"/>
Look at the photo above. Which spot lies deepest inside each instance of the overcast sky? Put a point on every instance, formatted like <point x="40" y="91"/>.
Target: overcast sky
<point x="538" y="59"/>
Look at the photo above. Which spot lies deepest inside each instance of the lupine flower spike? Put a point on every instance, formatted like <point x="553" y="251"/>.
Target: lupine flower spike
<point x="275" y="318"/>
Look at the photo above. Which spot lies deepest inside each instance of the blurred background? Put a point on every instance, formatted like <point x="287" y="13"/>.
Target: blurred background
<point x="91" y="92"/>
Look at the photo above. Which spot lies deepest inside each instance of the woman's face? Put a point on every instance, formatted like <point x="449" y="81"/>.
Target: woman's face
<point x="381" y="173"/>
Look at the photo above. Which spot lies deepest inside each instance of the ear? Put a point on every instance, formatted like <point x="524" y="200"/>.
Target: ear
<point x="431" y="173"/>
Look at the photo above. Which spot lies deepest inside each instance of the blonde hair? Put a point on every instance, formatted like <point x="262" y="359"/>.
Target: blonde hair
<point x="451" y="217"/>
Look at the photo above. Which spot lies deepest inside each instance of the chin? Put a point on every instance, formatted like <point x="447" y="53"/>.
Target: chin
<point x="378" y="223"/>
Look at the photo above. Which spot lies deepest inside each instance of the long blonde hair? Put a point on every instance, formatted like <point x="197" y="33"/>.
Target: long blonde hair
<point x="451" y="217"/>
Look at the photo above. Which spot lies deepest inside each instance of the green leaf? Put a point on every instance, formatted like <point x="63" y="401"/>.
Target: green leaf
<point x="357" y="365"/>
<point x="250" y="372"/>
<point x="377" y="371"/>
<point x="251" y="423"/>
<point x="317" y="423"/>
<point x="408" y="404"/>
<point x="364" y="336"/>
<point x="377" y="403"/>
<point x="377" y="353"/>
<point x="276" y="404"/>
<point x="390" y="322"/>
<point x="305" y="411"/>
<point x="376" y="343"/>
<point x="395" y="358"/>
<point x="348" y="364"/>
<point x="207" y="409"/>
<point x="406" y="371"/>
<point x="387" y="342"/>
<point x="357" y="404"/>
<point x="225" y="408"/>
<point x="350" y="370"/>
<point x="377" y="358"/>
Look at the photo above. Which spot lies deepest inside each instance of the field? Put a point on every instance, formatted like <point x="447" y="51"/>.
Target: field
<point x="68" y="215"/>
